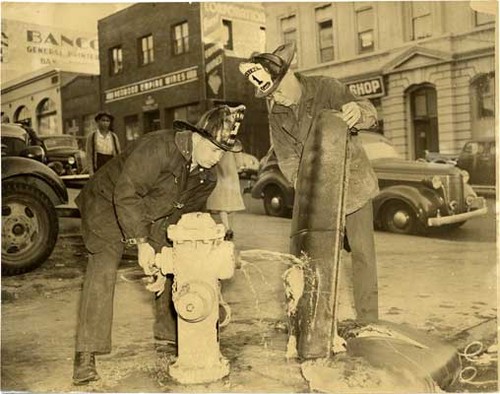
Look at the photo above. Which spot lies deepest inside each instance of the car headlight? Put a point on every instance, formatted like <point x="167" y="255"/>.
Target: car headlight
<point x="71" y="160"/>
<point x="436" y="182"/>
<point x="465" y="176"/>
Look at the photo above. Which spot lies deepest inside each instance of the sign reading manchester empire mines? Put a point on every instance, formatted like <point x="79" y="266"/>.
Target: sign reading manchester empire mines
<point x="149" y="85"/>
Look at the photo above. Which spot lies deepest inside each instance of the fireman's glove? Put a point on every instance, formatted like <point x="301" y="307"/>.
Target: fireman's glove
<point x="146" y="257"/>
<point x="351" y="114"/>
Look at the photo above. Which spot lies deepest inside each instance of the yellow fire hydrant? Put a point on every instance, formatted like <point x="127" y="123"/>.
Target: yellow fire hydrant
<point x="198" y="259"/>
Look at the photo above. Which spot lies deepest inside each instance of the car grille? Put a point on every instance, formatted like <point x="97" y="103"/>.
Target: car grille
<point x="455" y="191"/>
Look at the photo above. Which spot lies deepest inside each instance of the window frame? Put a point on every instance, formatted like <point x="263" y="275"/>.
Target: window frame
<point x="112" y="63"/>
<point x="184" y="40"/>
<point x="148" y="50"/>
<point x="414" y="18"/>
<point x="359" y="32"/>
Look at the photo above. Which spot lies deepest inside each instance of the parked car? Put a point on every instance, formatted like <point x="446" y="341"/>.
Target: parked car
<point x="414" y="196"/>
<point x="64" y="155"/>
<point x="30" y="193"/>
<point x="443" y="158"/>
<point x="478" y="158"/>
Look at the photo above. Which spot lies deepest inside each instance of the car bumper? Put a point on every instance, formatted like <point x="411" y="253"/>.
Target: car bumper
<point x="479" y="209"/>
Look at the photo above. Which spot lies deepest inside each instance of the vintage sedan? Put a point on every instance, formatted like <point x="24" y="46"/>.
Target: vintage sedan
<point x="414" y="196"/>
<point x="64" y="155"/>
<point x="478" y="158"/>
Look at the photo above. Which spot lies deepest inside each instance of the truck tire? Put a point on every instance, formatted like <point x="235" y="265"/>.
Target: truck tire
<point x="29" y="228"/>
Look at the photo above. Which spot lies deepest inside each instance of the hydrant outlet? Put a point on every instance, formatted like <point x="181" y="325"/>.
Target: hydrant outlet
<point x="195" y="301"/>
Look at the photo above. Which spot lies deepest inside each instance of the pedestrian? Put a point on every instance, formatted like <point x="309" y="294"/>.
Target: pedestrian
<point x="226" y="197"/>
<point x="132" y="201"/>
<point x="102" y="144"/>
<point x="294" y="101"/>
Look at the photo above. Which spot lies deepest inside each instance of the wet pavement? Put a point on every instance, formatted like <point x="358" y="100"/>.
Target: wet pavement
<point x="445" y="285"/>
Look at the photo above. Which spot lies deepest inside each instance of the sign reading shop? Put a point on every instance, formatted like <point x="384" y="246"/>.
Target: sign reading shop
<point x="150" y="85"/>
<point x="367" y="88"/>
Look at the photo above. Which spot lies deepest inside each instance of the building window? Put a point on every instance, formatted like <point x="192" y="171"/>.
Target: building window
<point x="22" y="115"/>
<point x="46" y="113"/>
<point x="180" y="38"/>
<point x="115" y="60"/>
<point x="481" y="18"/>
<point x="132" y="131"/>
<point x="421" y="19"/>
<point x="484" y="87"/>
<point x="364" y="21"/>
<point x="228" y="34"/>
<point x="146" y="52"/>
<point x="325" y="32"/>
<point x="289" y="29"/>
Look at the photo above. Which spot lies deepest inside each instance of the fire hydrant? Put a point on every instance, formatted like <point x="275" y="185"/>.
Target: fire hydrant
<point x="198" y="259"/>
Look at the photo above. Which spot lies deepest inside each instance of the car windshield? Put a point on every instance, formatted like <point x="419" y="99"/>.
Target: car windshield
<point x="380" y="150"/>
<point x="60" y="142"/>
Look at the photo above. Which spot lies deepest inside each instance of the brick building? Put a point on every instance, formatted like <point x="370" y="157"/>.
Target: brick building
<point x="162" y="61"/>
<point x="428" y="67"/>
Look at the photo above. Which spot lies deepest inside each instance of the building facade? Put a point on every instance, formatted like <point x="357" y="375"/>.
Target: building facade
<point x="39" y="99"/>
<point x="428" y="67"/>
<point x="164" y="61"/>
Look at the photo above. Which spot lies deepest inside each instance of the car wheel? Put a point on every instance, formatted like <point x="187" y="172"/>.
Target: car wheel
<point x="29" y="228"/>
<point x="399" y="218"/>
<point x="274" y="202"/>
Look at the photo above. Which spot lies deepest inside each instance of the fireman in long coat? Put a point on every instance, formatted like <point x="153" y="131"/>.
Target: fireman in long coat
<point x="131" y="200"/>
<point x="294" y="100"/>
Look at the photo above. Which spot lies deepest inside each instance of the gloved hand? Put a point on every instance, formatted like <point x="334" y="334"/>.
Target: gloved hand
<point x="351" y="113"/>
<point x="146" y="257"/>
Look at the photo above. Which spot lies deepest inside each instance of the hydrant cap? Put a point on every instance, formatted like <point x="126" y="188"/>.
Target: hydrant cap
<point x="195" y="226"/>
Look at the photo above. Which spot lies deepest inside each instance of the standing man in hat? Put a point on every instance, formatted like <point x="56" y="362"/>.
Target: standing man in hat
<point x="132" y="201"/>
<point x="102" y="144"/>
<point x="294" y="101"/>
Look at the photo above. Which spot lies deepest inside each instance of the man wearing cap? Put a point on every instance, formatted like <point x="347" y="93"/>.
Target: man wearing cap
<point x="294" y="101"/>
<point x="132" y="201"/>
<point x="102" y="144"/>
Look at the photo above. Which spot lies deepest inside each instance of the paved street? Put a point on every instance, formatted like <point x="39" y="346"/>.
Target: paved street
<point x="441" y="284"/>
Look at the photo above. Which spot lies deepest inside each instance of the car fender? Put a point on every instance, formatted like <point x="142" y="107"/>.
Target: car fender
<point x="36" y="174"/>
<point x="424" y="201"/>
<point x="277" y="179"/>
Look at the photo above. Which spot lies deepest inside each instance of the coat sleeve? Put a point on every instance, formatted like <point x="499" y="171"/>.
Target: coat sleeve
<point x="89" y="150"/>
<point x="139" y="174"/>
<point x="339" y="94"/>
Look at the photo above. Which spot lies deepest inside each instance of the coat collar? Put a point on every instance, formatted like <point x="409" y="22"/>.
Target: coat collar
<point x="308" y="94"/>
<point x="184" y="142"/>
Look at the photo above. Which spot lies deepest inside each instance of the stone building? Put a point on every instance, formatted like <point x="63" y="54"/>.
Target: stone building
<point x="428" y="67"/>
<point x="162" y="61"/>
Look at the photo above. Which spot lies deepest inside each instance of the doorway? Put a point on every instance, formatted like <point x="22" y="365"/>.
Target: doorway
<point x="425" y="120"/>
<point x="152" y="121"/>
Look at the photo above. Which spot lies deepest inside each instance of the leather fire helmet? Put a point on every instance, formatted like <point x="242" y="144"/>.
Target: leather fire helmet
<point x="220" y="125"/>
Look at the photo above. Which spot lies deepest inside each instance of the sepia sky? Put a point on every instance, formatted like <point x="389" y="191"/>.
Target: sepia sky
<point x="75" y="16"/>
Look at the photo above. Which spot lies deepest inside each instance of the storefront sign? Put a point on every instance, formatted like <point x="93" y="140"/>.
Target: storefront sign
<point x="28" y="47"/>
<point x="153" y="84"/>
<point x="368" y="88"/>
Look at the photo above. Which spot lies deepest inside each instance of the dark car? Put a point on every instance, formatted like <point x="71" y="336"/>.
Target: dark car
<point x="64" y="155"/>
<point x="30" y="193"/>
<point x="414" y="196"/>
<point x="478" y="158"/>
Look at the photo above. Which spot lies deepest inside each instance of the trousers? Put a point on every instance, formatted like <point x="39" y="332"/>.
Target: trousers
<point x="95" y="316"/>
<point x="359" y="229"/>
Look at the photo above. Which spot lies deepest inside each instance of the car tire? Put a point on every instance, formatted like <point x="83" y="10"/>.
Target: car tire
<point x="274" y="202"/>
<point x="399" y="218"/>
<point x="30" y="227"/>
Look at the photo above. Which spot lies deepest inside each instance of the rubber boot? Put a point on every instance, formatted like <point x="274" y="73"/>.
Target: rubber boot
<point x="84" y="370"/>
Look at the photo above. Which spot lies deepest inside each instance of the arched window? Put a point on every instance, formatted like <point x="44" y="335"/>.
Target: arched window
<point x="22" y="115"/>
<point x="46" y="113"/>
